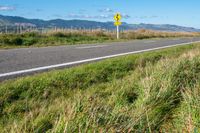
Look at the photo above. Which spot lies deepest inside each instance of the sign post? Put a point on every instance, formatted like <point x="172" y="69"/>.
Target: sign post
<point x="117" y="31"/>
<point x="117" y="23"/>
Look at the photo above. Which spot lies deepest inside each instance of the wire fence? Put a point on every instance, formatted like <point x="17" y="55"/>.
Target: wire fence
<point x="18" y="29"/>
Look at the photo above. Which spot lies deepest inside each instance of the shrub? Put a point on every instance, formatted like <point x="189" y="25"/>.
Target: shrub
<point x="31" y="34"/>
<point x="17" y="41"/>
<point x="11" y="40"/>
<point x="30" y="41"/>
<point x="60" y="34"/>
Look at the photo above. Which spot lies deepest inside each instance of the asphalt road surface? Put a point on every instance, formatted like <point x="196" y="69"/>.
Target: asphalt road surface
<point x="25" y="61"/>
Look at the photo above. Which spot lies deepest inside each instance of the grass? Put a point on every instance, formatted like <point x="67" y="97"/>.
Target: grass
<point x="151" y="92"/>
<point x="53" y="38"/>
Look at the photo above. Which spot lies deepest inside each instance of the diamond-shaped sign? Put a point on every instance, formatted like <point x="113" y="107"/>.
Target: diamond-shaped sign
<point x="117" y="17"/>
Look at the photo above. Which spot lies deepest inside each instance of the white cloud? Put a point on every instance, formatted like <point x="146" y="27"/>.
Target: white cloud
<point x="126" y="16"/>
<point x="104" y="13"/>
<point x="101" y="16"/>
<point x="6" y="8"/>
<point x="106" y="10"/>
<point x="87" y="16"/>
<point x="145" y="17"/>
<point x="72" y="15"/>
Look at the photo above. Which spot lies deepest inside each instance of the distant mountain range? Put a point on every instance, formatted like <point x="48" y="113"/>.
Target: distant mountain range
<point x="14" y="21"/>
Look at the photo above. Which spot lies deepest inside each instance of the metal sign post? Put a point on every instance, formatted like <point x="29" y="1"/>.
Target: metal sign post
<point x="117" y="23"/>
<point x="117" y="31"/>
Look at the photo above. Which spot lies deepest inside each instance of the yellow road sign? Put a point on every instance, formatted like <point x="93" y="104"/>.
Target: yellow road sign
<point x="117" y="17"/>
<point x="117" y="23"/>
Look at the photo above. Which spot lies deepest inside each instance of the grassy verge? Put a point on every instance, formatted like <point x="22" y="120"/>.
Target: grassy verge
<point x="35" y="39"/>
<point x="154" y="91"/>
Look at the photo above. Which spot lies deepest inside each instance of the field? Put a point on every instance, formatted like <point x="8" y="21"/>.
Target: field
<point x="71" y="37"/>
<point x="157" y="91"/>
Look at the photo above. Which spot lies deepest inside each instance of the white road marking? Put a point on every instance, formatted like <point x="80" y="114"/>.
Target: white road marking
<point x="176" y="39"/>
<point x="88" y="47"/>
<point x="86" y="60"/>
<point x="149" y="41"/>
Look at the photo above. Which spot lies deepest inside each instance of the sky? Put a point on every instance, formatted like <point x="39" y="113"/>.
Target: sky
<point x="178" y="12"/>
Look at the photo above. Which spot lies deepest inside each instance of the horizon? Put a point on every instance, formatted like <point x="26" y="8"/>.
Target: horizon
<point x="181" y="13"/>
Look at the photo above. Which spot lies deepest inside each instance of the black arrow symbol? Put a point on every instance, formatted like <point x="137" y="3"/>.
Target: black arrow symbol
<point x="117" y="17"/>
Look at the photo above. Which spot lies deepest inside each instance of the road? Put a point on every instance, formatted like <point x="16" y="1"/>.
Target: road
<point x="25" y="61"/>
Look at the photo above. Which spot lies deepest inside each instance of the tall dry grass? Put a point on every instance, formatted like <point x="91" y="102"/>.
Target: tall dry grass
<point x="72" y="37"/>
<point x="127" y="34"/>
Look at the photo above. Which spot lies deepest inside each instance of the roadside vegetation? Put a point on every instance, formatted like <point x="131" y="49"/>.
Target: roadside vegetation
<point x="149" y="92"/>
<point x="71" y="37"/>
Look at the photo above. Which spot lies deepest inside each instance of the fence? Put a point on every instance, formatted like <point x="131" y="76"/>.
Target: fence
<point x="18" y="29"/>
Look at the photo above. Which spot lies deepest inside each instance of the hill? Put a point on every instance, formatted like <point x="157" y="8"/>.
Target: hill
<point x="13" y="21"/>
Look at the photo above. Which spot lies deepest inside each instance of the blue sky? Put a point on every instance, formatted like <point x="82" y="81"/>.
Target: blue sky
<point x="179" y="12"/>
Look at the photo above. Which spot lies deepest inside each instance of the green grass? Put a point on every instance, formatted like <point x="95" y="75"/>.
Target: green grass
<point x="52" y="38"/>
<point x="149" y="92"/>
